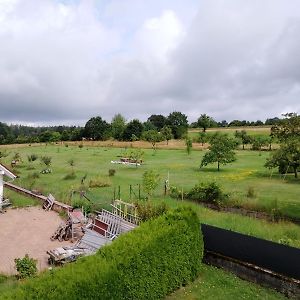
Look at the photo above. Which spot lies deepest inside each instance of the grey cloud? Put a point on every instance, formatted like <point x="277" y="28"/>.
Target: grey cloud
<point x="64" y="64"/>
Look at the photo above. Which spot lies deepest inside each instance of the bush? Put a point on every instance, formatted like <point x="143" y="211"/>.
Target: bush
<point x="209" y="192"/>
<point x="99" y="181"/>
<point x="26" y="267"/>
<point x="111" y="172"/>
<point x="147" y="210"/>
<point x="70" y="176"/>
<point x="147" y="263"/>
<point x="251" y="192"/>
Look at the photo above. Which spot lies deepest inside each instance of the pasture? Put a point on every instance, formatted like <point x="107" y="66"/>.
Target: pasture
<point x="269" y="191"/>
<point x="92" y="162"/>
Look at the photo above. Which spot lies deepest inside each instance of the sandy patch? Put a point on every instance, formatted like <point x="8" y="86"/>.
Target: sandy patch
<point x="27" y="230"/>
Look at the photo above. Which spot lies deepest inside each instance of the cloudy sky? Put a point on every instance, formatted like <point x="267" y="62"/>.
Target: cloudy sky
<point x="62" y="62"/>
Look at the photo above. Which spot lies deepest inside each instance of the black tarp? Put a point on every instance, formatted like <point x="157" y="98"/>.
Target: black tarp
<point x="275" y="257"/>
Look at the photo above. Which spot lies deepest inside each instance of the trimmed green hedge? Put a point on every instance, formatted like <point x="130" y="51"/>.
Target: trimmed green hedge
<point x="147" y="263"/>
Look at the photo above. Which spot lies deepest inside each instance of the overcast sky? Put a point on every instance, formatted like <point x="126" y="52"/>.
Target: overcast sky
<point x="62" y="62"/>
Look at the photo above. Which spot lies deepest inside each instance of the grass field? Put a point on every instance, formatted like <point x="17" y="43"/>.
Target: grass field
<point x="183" y="171"/>
<point x="216" y="284"/>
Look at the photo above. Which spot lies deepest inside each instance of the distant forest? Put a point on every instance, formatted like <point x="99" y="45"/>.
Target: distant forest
<point x="175" y="125"/>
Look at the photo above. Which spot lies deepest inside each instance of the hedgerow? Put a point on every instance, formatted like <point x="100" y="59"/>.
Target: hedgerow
<point x="147" y="263"/>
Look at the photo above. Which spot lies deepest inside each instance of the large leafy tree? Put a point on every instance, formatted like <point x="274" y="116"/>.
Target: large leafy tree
<point x="118" y="124"/>
<point x="287" y="131"/>
<point x="178" y="122"/>
<point x="96" y="128"/>
<point x="221" y="151"/>
<point x="133" y="129"/>
<point x="205" y="121"/>
<point x="159" y="121"/>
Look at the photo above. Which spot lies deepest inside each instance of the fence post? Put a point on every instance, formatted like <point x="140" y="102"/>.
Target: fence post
<point x="119" y="192"/>
<point x="130" y="191"/>
<point x="139" y="192"/>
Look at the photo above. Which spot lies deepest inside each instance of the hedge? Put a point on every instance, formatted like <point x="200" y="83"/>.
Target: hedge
<point x="148" y="263"/>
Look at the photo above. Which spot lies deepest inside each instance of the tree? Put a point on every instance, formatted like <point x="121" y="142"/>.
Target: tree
<point x="286" y="157"/>
<point x="189" y="145"/>
<point x="166" y="133"/>
<point x="220" y="151"/>
<point x="243" y="136"/>
<point x="205" y="122"/>
<point x="159" y="121"/>
<point x="118" y="124"/>
<point x="134" y="127"/>
<point x="287" y="131"/>
<point x="202" y="137"/>
<point x="259" y="141"/>
<point x="178" y="123"/>
<point x="150" y="182"/>
<point x="152" y="136"/>
<point x="96" y="129"/>
<point x="287" y="128"/>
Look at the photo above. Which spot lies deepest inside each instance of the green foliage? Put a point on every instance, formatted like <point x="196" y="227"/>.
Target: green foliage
<point x="70" y="176"/>
<point x="147" y="210"/>
<point x="134" y="127"/>
<point x="46" y="160"/>
<point x="150" y="182"/>
<point x="202" y="137"/>
<point x="83" y="204"/>
<point x="26" y="267"/>
<point x="96" y="129"/>
<point x="178" y="122"/>
<point x="166" y="133"/>
<point x="244" y="137"/>
<point x="118" y="126"/>
<point x="153" y="137"/>
<point x="189" y="145"/>
<point x="288" y="155"/>
<point x="251" y="192"/>
<point x="99" y="181"/>
<point x="205" y="121"/>
<point x="260" y="141"/>
<point x="203" y="192"/>
<point x="111" y="172"/>
<point x="148" y="263"/>
<point x="32" y="157"/>
<point x="220" y="151"/>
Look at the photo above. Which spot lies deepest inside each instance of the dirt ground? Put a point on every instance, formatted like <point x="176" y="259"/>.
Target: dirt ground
<point x="27" y="230"/>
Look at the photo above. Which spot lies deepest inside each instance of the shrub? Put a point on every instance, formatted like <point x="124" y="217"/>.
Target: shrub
<point x="251" y="192"/>
<point x="147" y="210"/>
<point x="81" y="203"/>
<point x="99" y="181"/>
<point x="80" y="146"/>
<point x="70" y="176"/>
<point x="46" y="160"/>
<point x="33" y="175"/>
<point x="32" y="157"/>
<point x="111" y="172"/>
<point x="26" y="267"/>
<point x="147" y="263"/>
<point x="209" y="192"/>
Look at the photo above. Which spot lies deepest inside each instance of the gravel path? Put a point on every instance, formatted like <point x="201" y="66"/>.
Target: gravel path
<point x="27" y="230"/>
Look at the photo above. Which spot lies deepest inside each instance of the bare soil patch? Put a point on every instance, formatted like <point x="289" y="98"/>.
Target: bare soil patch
<point x="27" y="231"/>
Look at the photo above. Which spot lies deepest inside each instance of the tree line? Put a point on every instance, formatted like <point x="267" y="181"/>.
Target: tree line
<point x="156" y="128"/>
